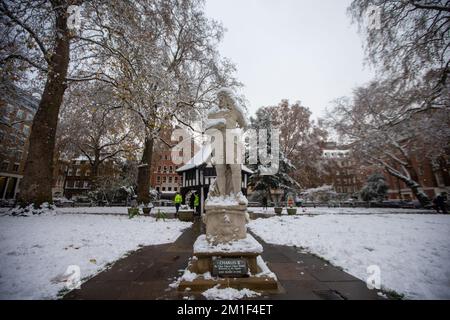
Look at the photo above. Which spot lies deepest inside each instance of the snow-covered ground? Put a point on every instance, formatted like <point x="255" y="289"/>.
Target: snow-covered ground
<point x="260" y="210"/>
<point x="109" y="210"/>
<point x="34" y="250"/>
<point x="412" y="251"/>
<point x="345" y="210"/>
<point x="100" y="210"/>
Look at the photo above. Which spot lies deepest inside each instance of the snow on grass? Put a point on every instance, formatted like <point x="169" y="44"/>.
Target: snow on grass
<point x="109" y="210"/>
<point x="344" y="210"/>
<point x="34" y="250"/>
<point x="229" y="294"/>
<point x="412" y="251"/>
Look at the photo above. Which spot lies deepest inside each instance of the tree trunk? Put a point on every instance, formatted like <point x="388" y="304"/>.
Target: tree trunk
<point x="144" y="172"/>
<point x="95" y="165"/>
<point x="414" y="186"/>
<point x="36" y="186"/>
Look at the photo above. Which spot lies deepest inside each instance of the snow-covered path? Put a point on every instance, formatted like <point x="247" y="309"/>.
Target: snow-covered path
<point x="34" y="250"/>
<point x="412" y="251"/>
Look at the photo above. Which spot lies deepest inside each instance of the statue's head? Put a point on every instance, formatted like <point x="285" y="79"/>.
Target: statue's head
<point x="226" y="99"/>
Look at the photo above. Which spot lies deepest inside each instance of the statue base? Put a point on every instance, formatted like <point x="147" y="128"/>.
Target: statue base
<point x="225" y="223"/>
<point x="237" y="264"/>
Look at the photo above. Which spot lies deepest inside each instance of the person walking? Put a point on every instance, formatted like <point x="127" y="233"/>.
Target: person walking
<point x="196" y="203"/>
<point x="178" y="200"/>
<point x="440" y="203"/>
<point x="264" y="203"/>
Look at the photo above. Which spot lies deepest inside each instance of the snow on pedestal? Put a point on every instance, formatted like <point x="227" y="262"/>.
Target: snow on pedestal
<point x="247" y="245"/>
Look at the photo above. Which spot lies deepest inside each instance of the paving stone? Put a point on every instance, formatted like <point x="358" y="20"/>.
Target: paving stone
<point x="289" y="271"/>
<point x="329" y="273"/>
<point x="354" y="290"/>
<point x="99" y="290"/>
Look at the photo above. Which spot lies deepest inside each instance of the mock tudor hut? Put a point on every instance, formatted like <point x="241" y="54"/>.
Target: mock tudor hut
<point x="198" y="174"/>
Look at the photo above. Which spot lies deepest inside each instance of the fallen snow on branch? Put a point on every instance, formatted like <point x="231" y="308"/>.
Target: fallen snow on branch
<point x="36" y="250"/>
<point x="412" y="251"/>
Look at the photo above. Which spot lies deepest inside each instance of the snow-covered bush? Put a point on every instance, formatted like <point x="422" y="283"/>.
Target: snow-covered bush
<point x="31" y="209"/>
<point x="375" y="188"/>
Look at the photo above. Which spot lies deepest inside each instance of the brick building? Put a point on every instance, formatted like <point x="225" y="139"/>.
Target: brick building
<point x="434" y="178"/>
<point x="164" y="177"/>
<point x="343" y="171"/>
<point x="17" y="110"/>
<point x="73" y="178"/>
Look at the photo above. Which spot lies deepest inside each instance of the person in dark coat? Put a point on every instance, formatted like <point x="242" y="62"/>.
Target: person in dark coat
<point x="191" y="201"/>
<point x="264" y="202"/>
<point x="440" y="203"/>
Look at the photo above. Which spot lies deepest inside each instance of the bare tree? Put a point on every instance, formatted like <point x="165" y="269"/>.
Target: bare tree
<point x="94" y="125"/>
<point x="412" y="44"/>
<point x="300" y="140"/>
<point x="365" y="123"/>
<point x="167" y="67"/>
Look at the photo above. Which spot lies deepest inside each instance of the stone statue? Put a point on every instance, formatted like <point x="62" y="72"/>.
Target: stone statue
<point x="226" y="206"/>
<point x="228" y="116"/>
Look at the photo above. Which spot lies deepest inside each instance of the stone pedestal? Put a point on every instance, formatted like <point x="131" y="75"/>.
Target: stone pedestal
<point x="225" y="223"/>
<point x="201" y="274"/>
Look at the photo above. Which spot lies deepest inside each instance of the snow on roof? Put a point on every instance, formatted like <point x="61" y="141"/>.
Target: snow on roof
<point x="204" y="157"/>
<point x="81" y="158"/>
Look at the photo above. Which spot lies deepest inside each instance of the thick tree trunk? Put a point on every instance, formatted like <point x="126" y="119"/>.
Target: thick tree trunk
<point x="95" y="165"/>
<point x="36" y="186"/>
<point x="144" y="172"/>
<point x="414" y="186"/>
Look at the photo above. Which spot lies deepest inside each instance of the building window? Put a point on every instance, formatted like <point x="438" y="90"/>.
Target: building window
<point x="164" y="180"/>
<point x="4" y="166"/>
<point x="159" y="169"/>
<point x="175" y="188"/>
<point x="157" y="189"/>
<point x="158" y="179"/>
<point x="170" y="179"/>
<point x="86" y="184"/>
<point x="175" y="179"/>
<point x="69" y="184"/>
<point x="70" y="172"/>
<point x="26" y="130"/>
<point x="78" y="173"/>
<point x="16" y="167"/>
<point x="170" y="169"/>
<point x="87" y="173"/>
<point x="163" y="188"/>
<point x="19" y="114"/>
<point x="169" y="188"/>
<point x="165" y="169"/>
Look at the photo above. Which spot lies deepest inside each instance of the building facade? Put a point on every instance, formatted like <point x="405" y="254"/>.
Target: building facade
<point x="343" y="171"/>
<point x="164" y="177"/>
<point x="433" y="176"/>
<point x="17" y="110"/>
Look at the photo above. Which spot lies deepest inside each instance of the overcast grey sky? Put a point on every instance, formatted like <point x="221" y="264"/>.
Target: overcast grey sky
<point x="304" y="50"/>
